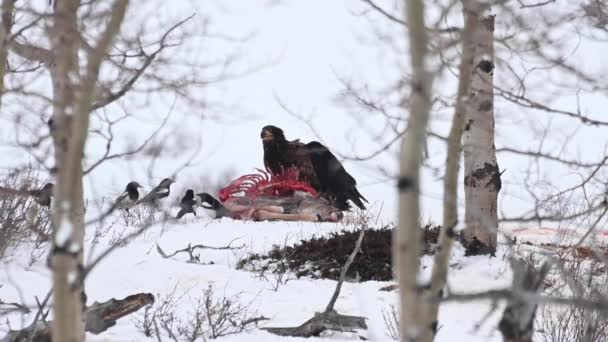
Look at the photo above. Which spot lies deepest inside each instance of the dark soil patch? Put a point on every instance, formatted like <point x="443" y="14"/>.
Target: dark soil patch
<point x="323" y="257"/>
<point x="476" y="247"/>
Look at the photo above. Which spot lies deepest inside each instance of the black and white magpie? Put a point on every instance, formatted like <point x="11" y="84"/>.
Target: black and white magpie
<point x="210" y="203"/>
<point x="128" y="198"/>
<point x="188" y="204"/>
<point x="161" y="191"/>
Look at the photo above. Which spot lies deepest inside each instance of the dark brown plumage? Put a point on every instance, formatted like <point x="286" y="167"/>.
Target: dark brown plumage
<point x="281" y="155"/>
<point x="316" y="165"/>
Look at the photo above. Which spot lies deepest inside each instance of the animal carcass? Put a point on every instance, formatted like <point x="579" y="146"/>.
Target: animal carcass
<point x="263" y="197"/>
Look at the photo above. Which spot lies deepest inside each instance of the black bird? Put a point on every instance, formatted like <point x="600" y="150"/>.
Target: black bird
<point x="316" y="166"/>
<point x="161" y="191"/>
<point x="334" y="181"/>
<point x="128" y="198"/>
<point x="210" y="203"/>
<point x="188" y="204"/>
<point x="43" y="196"/>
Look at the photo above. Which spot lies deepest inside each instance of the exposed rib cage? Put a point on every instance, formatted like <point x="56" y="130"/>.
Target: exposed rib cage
<point x="264" y="184"/>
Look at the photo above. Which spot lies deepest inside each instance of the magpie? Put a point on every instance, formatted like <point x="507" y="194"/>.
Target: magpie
<point x="189" y="203"/>
<point x="128" y="198"/>
<point x="161" y="191"/>
<point x="43" y="196"/>
<point x="210" y="203"/>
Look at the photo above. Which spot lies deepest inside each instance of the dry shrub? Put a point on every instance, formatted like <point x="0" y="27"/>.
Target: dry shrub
<point x="274" y="271"/>
<point x="22" y="220"/>
<point x="139" y="216"/>
<point x="573" y="323"/>
<point x="323" y="257"/>
<point x="579" y="278"/>
<point x="390" y="316"/>
<point x="210" y="317"/>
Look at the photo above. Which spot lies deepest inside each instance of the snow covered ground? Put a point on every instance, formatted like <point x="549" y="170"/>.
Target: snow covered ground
<point x="138" y="267"/>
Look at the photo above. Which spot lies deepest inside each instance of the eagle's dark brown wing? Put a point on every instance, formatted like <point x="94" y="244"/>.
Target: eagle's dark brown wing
<point x="299" y="157"/>
<point x="282" y="156"/>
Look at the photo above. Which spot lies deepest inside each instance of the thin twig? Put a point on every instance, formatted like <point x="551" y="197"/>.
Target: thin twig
<point x="349" y="261"/>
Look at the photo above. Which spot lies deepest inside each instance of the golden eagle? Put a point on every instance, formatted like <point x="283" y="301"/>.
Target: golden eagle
<point x="315" y="164"/>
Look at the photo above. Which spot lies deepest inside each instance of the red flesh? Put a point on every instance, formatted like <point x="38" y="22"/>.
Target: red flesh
<point x="255" y="185"/>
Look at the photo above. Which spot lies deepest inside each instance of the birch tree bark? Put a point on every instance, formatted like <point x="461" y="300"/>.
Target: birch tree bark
<point x="406" y="244"/>
<point x="8" y="8"/>
<point x="482" y="177"/>
<point x="452" y="165"/>
<point x="66" y="255"/>
<point x="73" y="95"/>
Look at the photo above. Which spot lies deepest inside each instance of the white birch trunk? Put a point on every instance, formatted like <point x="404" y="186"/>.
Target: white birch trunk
<point x="8" y="8"/>
<point x="68" y="213"/>
<point x="482" y="177"/>
<point x="406" y="245"/>
<point x="73" y="95"/>
<point x="452" y="167"/>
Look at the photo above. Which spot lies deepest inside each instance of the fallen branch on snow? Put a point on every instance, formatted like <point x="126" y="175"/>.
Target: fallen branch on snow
<point x="328" y="319"/>
<point x="190" y="250"/>
<point x="99" y="317"/>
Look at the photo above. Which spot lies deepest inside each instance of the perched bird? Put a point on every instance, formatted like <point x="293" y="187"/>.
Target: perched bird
<point x="128" y="198"/>
<point x="281" y="155"/>
<point x="43" y="196"/>
<point x="316" y="165"/>
<point x="188" y="204"/>
<point x="209" y="202"/>
<point x="334" y="181"/>
<point x="161" y="191"/>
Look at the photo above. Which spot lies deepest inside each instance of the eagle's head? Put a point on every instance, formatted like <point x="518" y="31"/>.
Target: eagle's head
<point x="272" y="134"/>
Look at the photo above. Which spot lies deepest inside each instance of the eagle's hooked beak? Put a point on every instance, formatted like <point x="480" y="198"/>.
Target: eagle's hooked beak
<point x="266" y="136"/>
